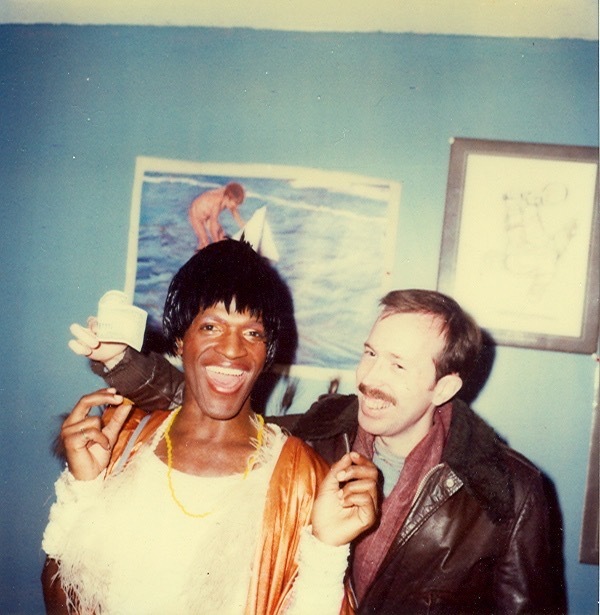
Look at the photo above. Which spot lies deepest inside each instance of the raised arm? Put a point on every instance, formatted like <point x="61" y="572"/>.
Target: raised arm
<point x="87" y="443"/>
<point x="346" y="505"/>
<point x="149" y="380"/>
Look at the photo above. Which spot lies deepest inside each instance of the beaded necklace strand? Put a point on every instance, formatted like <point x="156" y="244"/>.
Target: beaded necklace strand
<point x="260" y="436"/>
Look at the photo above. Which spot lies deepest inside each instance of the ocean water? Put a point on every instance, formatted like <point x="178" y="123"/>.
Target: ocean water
<point x="332" y="236"/>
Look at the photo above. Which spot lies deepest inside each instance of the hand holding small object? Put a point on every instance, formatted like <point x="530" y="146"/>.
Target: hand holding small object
<point x="346" y="504"/>
<point x="87" y="344"/>
<point x="87" y="443"/>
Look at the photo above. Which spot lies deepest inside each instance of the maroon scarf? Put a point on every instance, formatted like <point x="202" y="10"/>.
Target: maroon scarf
<point x="372" y="548"/>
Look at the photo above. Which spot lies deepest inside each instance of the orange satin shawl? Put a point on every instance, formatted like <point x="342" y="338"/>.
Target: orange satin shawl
<point x="290" y="496"/>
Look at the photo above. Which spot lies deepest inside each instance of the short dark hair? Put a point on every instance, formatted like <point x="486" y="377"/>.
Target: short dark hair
<point x="221" y="272"/>
<point x="463" y="338"/>
<point x="235" y="191"/>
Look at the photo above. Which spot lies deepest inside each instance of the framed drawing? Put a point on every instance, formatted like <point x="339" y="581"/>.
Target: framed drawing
<point x="520" y="241"/>
<point x="330" y="235"/>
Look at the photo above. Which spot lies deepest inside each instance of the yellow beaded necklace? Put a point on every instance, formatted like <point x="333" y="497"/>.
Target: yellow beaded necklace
<point x="249" y="465"/>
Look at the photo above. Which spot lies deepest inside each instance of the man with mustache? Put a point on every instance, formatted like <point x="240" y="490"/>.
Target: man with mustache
<point x="464" y="522"/>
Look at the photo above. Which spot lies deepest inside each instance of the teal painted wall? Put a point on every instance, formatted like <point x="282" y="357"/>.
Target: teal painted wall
<point x="78" y="104"/>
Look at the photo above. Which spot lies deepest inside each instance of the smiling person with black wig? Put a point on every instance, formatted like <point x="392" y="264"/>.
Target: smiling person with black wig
<point x="205" y="508"/>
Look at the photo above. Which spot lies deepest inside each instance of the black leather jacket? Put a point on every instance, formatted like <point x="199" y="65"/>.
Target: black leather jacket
<point x="476" y="539"/>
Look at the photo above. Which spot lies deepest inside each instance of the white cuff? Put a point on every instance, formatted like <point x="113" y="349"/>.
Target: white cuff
<point x="334" y="560"/>
<point x="319" y="586"/>
<point x="73" y="497"/>
<point x="70" y="489"/>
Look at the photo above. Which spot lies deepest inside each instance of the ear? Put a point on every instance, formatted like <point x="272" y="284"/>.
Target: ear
<point x="179" y="347"/>
<point x="446" y="388"/>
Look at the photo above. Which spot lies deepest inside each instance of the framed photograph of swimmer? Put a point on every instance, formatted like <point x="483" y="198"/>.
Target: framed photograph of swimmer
<point x="330" y="235"/>
<point x="520" y="241"/>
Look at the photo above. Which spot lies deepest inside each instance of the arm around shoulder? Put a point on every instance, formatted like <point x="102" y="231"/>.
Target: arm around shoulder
<point x="149" y="380"/>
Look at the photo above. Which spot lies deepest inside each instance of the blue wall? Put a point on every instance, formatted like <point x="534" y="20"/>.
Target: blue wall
<point x="78" y="104"/>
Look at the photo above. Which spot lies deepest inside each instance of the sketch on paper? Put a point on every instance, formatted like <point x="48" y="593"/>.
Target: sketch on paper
<point x="524" y="239"/>
<point x="539" y="228"/>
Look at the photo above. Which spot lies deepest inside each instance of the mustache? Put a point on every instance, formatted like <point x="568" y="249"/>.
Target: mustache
<point x="376" y="393"/>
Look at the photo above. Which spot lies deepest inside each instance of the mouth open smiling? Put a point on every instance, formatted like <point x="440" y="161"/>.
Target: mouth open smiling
<point x="374" y="400"/>
<point x="225" y="379"/>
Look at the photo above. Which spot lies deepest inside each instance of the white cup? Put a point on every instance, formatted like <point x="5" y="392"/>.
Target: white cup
<point x="120" y="321"/>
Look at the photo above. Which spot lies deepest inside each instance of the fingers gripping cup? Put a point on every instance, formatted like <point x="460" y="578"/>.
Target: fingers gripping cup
<point x="120" y="321"/>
